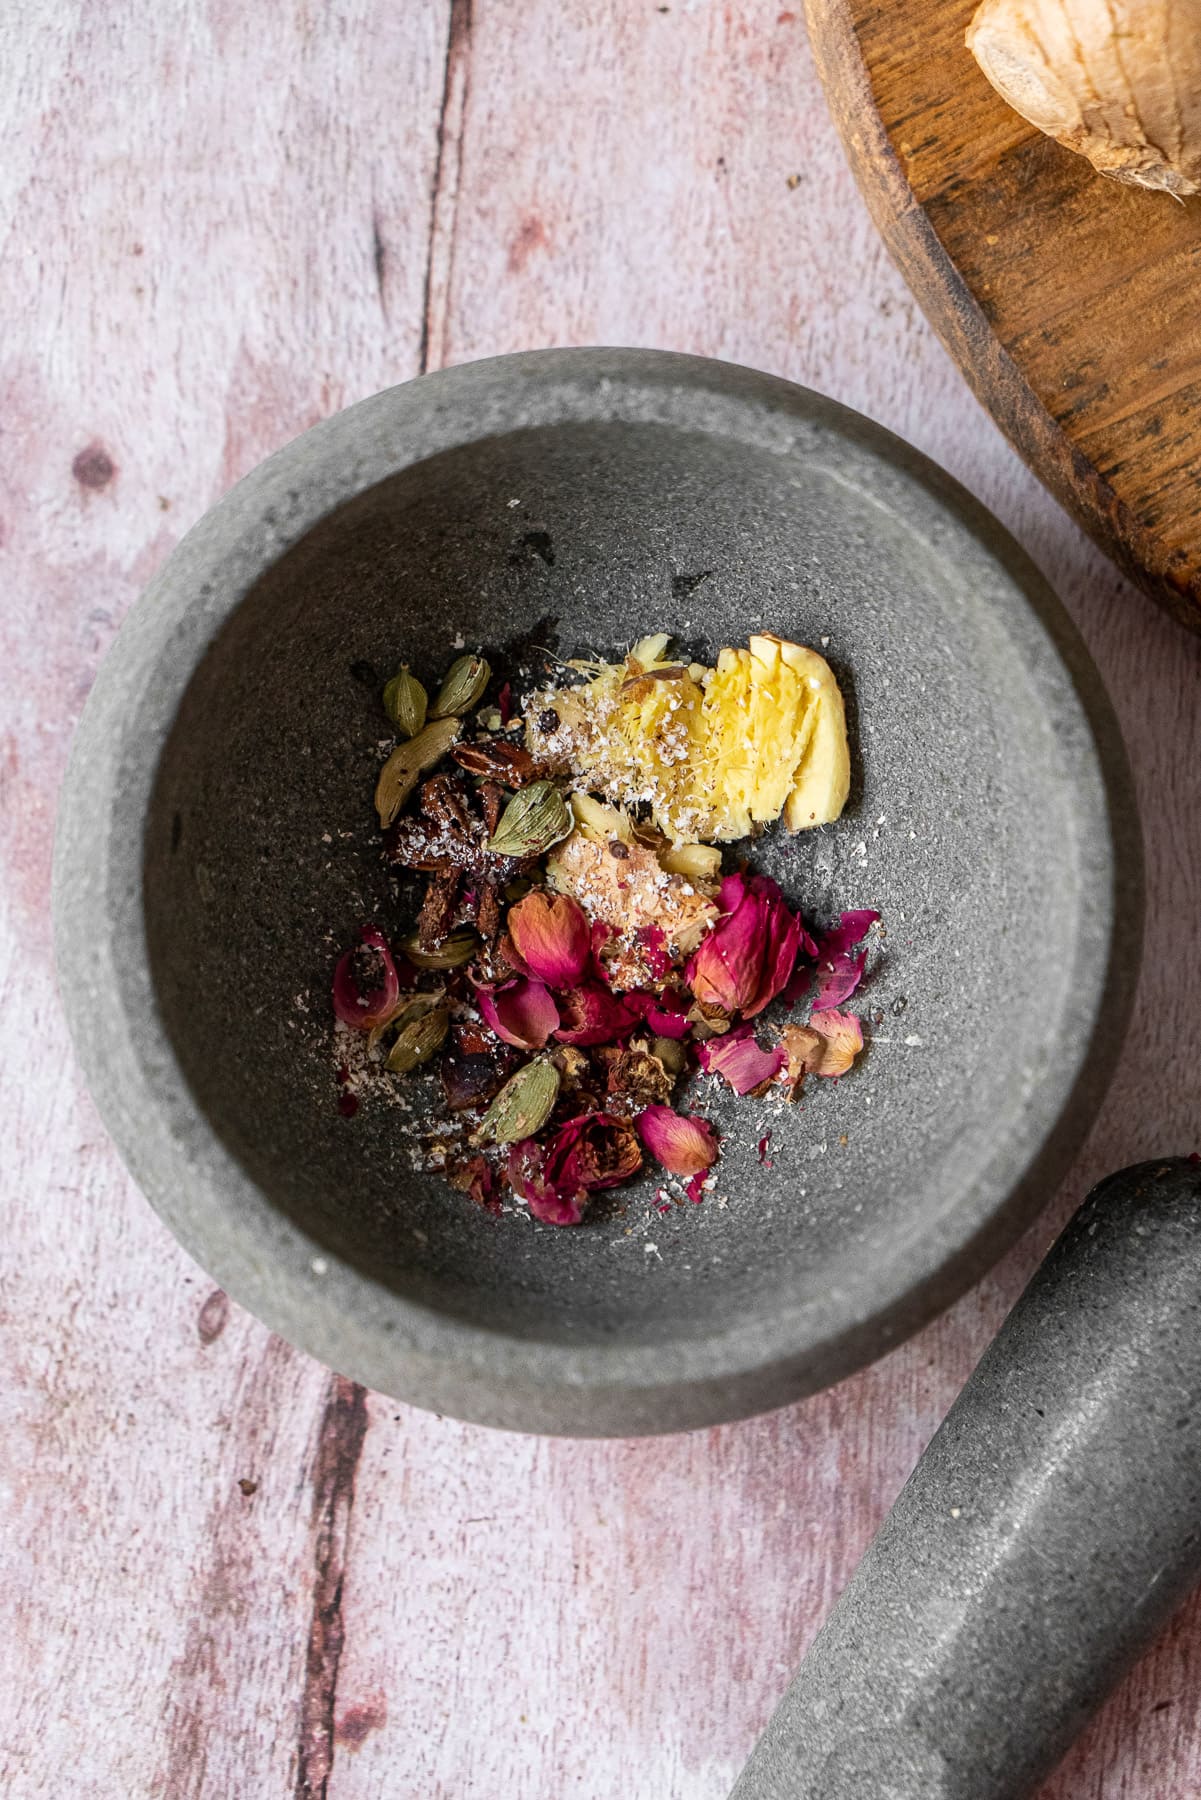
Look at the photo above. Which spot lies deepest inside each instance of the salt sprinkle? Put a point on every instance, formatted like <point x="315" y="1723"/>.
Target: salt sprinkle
<point x="319" y="1266"/>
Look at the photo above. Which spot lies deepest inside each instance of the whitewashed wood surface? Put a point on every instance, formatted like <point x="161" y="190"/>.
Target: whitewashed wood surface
<point x="225" y="1574"/>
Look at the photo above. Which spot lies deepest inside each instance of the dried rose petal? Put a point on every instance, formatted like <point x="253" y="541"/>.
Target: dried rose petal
<point x="601" y="933"/>
<point x="683" y="1142"/>
<point x="528" y="1179"/>
<point x="843" y="1037"/>
<point x="590" y="1014"/>
<point x="523" y="1014"/>
<point x="668" y="1016"/>
<point x="652" y="940"/>
<point x="366" y="986"/>
<point x="550" y="934"/>
<point x="839" y="973"/>
<point x="803" y="1050"/>
<point x="751" y="953"/>
<point x="739" y="1060"/>
<point x="477" y="1178"/>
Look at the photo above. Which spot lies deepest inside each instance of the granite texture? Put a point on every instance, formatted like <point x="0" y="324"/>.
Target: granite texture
<point x="217" y="847"/>
<point x="1048" y="1532"/>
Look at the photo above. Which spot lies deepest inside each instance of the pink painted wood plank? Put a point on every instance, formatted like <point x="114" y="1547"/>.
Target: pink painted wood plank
<point x="405" y="1605"/>
<point x="214" y="227"/>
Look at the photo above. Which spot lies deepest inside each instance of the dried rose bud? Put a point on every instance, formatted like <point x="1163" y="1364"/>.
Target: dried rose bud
<point x="707" y="1020"/>
<point x="418" y="1040"/>
<point x="838" y="972"/>
<point x="739" y="1060"/>
<point x="532" y="823"/>
<point x="551" y="936"/>
<point x="594" y="1151"/>
<point x="591" y="1014"/>
<point x="523" y="1105"/>
<point x="523" y="1014"/>
<point x="590" y="1152"/>
<point x="634" y="1079"/>
<point x="465" y="682"/>
<point x="748" y="957"/>
<point x="366" y="987"/>
<point x="406" y="702"/>
<point x="843" y="1040"/>
<point x="684" y="1143"/>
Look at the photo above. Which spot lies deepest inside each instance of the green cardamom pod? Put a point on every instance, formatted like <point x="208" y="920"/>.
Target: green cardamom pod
<point x="408" y="1008"/>
<point x="405" y="702"/>
<point x="533" y="820"/>
<point x="417" y="1041"/>
<point x="451" y="953"/>
<point x="523" y="1105"/>
<point x="398" y="777"/>
<point x="465" y="683"/>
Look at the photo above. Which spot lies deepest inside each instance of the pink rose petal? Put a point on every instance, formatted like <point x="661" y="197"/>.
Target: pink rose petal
<point x="668" y="1016"/>
<point x="683" y="1142"/>
<point x="843" y="1037"/>
<point x="652" y="940"/>
<point x="838" y="972"/>
<point x="749" y="956"/>
<point x="551" y="937"/>
<point x="523" y="1014"/>
<point x="740" y="1061"/>
<point x="366" y="988"/>
<point x="591" y="1014"/>
<point x="529" y="1181"/>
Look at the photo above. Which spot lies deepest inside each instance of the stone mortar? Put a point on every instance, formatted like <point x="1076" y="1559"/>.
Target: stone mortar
<point x="216" y="847"/>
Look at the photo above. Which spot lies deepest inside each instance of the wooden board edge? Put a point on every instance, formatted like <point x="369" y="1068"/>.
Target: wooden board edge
<point x="960" y="322"/>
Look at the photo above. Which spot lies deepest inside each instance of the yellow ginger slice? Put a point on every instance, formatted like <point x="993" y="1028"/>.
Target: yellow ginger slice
<point x="712" y="752"/>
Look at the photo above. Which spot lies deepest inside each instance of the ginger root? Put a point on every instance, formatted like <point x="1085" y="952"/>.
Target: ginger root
<point x="1117" y="80"/>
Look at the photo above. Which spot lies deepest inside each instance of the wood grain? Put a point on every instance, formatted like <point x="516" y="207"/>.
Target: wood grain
<point x="1066" y="299"/>
<point x="226" y="1572"/>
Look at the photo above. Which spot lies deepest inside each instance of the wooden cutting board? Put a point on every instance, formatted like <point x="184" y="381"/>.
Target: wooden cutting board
<point x="1072" y="303"/>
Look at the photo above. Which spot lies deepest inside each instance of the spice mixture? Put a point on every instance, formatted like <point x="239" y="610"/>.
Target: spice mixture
<point x="577" y="952"/>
